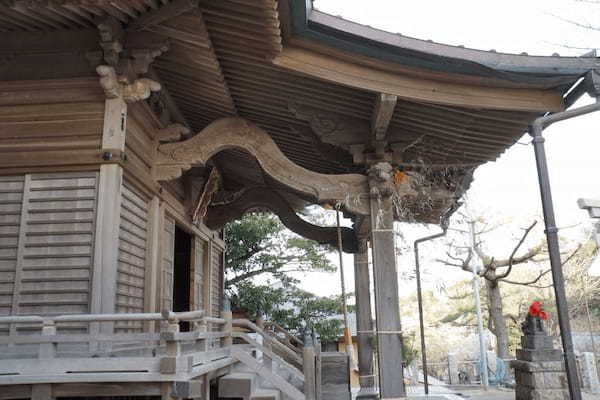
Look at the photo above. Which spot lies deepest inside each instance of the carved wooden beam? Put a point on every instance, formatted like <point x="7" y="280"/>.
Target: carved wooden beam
<point x="265" y="198"/>
<point x="351" y="190"/>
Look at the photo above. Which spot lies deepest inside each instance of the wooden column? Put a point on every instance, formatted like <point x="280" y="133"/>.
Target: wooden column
<point x="389" y="338"/>
<point x="364" y="321"/>
<point x="108" y="215"/>
<point x="153" y="260"/>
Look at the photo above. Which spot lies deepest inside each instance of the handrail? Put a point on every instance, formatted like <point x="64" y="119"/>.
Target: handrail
<point x="164" y="316"/>
<point x="288" y="335"/>
<point x="252" y="326"/>
<point x="298" y="373"/>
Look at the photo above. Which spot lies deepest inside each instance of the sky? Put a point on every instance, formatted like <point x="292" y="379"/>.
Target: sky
<point x="506" y="189"/>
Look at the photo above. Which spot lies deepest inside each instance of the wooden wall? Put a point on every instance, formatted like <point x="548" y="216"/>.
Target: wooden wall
<point x="51" y="145"/>
<point x="53" y="123"/>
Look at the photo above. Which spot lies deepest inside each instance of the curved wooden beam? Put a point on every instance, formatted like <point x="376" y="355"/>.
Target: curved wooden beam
<point x="265" y="198"/>
<point x="173" y="158"/>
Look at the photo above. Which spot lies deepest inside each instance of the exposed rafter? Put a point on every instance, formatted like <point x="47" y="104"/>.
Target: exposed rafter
<point x="265" y="198"/>
<point x="382" y="114"/>
<point x="165" y="13"/>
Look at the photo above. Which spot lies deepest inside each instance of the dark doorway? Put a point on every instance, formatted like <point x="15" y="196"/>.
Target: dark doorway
<point x="181" y="278"/>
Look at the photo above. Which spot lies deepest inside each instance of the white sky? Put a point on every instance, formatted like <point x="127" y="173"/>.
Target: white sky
<point x="506" y="188"/>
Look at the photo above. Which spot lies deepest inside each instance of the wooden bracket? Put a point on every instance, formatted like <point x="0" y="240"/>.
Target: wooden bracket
<point x="173" y="158"/>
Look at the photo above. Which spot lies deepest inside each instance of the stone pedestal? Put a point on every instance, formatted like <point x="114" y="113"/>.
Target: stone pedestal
<point x="539" y="368"/>
<point x="453" y="369"/>
<point x="589" y="372"/>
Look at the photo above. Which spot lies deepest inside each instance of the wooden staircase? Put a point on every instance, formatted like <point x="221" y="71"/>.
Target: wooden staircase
<point x="245" y="385"/>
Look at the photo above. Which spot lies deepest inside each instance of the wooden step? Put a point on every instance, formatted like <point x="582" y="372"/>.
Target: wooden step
<point x="237" y="384"/>
<point x="265" y="394"/>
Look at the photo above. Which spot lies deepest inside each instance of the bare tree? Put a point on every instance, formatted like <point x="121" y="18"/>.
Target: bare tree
<point x="495" y="271"/>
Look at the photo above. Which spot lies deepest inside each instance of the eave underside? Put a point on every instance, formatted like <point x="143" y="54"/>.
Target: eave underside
<point x="219" y="64"/>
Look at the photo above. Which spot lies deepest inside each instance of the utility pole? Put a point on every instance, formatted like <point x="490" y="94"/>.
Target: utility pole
<point x="475" y="268"/>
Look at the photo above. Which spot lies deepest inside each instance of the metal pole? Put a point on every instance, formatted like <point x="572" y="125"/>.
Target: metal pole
<point x="482" y="349"/>
<point x="420" y="302"/>
<point x="591" y="85"/>
<point x="555" y="261"/>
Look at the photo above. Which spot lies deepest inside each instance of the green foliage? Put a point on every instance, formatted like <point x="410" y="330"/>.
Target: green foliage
<point x="258" y="244"/>
<point x="409" y="350"/>
<point x="292" y="308"/>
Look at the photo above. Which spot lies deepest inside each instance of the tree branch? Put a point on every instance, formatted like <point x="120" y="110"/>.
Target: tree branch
<point x="522" y="259"/>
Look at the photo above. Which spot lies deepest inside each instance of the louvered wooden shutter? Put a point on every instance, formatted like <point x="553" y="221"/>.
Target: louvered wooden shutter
<point x="197" y="294"/>
<point x="47" y="243"/>
<point x="11" y="195"/>
<point x="131" y="270"/>
<point x="216" y="282"/>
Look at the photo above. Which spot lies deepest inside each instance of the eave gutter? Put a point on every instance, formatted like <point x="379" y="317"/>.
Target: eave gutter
<point x="591" y="85"/>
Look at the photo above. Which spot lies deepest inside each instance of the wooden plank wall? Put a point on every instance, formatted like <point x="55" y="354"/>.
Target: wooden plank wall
<point x="43" y="122"/>
<point x="131" y="270"/>
<point x="140" y="143"/>
<point x="47" y="243"/>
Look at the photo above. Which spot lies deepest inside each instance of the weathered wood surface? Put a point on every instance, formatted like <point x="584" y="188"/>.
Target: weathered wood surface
<point x="167" y="273"/>
<point x="335" y="376"/>
<point x="364" y="320"/>
<point x="413" y="88"/>
<point x="173" y="158"/>
<point x="385" y="278"/>
<point x="272" y="378"/>
<point x="262" y="198"/>
<point x="47" y="237"/>
<point x="131" y="270"/>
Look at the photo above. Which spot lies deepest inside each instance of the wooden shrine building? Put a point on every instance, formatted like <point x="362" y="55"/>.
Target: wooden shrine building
<point x="131" y="131"/>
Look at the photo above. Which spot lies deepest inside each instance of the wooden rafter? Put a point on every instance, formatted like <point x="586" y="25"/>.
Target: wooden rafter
<point x="165" y="13"/>
<point x="382" y="115"/>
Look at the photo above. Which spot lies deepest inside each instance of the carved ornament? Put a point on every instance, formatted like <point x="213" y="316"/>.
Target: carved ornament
<point x="139" y="89"/>
<point x="121" y="69"/>
<point x="332" y="128"/>
<point x="261" y="198"/>
<point x="226" y="133"/>
<point x="172" y="133"/>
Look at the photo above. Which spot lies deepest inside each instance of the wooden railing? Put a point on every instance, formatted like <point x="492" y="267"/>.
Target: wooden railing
<point x="163" y="356"/>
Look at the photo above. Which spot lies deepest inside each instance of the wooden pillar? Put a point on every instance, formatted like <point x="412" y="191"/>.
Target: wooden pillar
<point x="153" y="258"/>
<point x="364" y="321"/>
<point x="389" y="338"/>
<point x="108" y="215"/>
